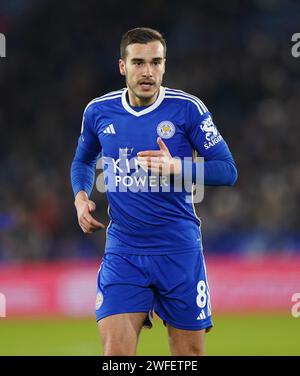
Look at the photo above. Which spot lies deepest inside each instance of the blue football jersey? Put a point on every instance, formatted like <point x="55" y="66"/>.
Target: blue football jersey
<point x="146" y="218"/>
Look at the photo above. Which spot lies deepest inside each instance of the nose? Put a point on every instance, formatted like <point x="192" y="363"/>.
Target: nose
<point x="147" y="72"/>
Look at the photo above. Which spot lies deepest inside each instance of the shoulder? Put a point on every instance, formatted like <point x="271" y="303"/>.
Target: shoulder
<point x="193" y="103"/>
<point x="108" y="98"/>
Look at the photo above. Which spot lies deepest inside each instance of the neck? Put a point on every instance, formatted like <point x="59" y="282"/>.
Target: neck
<point x="139" y="102"/>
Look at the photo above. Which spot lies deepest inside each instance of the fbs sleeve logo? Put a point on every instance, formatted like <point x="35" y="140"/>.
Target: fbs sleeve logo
<point x="212" y="135"/>
<point x="2" y="45"/>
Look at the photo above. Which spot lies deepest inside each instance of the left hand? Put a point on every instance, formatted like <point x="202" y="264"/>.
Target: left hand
<point x="160" y="161"/>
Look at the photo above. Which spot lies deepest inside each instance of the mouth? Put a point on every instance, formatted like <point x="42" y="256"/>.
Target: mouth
<point x="146" y="85"/>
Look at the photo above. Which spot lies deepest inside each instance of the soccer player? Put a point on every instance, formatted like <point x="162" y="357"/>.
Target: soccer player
<point x="153" y="260"/>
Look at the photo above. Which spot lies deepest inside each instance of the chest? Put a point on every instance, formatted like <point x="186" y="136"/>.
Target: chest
<point x="128" y="134"/>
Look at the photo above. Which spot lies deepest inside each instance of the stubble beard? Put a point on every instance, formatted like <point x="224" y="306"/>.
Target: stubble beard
<point x="141" y="96"/>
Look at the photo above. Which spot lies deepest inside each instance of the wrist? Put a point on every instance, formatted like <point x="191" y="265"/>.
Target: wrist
<point x="81" y="196"/>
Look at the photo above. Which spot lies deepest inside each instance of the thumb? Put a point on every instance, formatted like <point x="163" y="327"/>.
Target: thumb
<point x="92" y="206"/>
<point x="162" y="145"/>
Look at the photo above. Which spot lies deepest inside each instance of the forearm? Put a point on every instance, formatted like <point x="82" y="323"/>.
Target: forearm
<point x="219" y="173"/>
<point x="83" y="172"/>
<point x="216" y="172"/>
<point x="82" y="177"/>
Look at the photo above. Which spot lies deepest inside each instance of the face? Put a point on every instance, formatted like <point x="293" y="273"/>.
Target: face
<point x="143" y="67"/>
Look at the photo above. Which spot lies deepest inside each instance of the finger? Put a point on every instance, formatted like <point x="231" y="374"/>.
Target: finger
<point x="148" y="165"/>
<point x="163" y="162"/>
<point x="92" y="206"/>
<point x="93" y="222"/>
<point x="162" y="145"/>
<point x="84" y="229"/>
<point x="155" y="170"/>
<point x="152" y="163"/>
<point x="162" y="168"/>
<point x="150" y="153"/>
<point x="89" y="227"/>
<point x="159" y="168"/>
<point x="159" y="159"/>
<point x="84" y="225"/>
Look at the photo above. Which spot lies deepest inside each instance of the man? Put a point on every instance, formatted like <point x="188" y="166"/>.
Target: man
<point x="153" y="257"/>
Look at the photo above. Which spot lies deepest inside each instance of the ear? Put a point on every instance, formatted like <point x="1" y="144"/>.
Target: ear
<point x="165" y="60"/>
<point x="122" y="67"/>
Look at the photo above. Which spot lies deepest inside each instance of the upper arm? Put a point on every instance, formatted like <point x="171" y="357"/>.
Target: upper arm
<point x="86" y="155"/>
<point x="88" y="139"/>
<point x="203" y="133"/>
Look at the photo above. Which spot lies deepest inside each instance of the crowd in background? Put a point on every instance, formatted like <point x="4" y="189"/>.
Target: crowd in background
<point x="236" y="59"/>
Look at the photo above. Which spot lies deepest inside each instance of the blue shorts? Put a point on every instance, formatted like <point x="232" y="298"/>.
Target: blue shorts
<point x="173" y="286"/>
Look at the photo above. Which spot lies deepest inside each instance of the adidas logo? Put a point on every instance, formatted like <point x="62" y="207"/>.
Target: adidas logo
<point x="110" y="129"/>
<point x="202" y="316"/>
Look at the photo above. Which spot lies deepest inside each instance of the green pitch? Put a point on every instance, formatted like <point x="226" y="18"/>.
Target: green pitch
<point x="272" y="334"/>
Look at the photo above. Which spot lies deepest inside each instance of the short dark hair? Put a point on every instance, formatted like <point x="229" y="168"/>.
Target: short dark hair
<point x="141" y="35"/>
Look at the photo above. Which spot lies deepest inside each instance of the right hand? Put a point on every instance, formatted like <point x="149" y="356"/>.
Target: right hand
<point x="84" y="207"/>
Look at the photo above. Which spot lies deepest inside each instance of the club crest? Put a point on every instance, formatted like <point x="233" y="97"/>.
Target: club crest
<point x="166" y="129"/>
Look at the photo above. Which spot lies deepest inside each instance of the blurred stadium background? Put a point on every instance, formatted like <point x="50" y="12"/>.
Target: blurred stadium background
<point x="237" y="58"/>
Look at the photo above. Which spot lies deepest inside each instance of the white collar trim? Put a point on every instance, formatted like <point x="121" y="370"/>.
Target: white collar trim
<point x="153" y="106"/>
